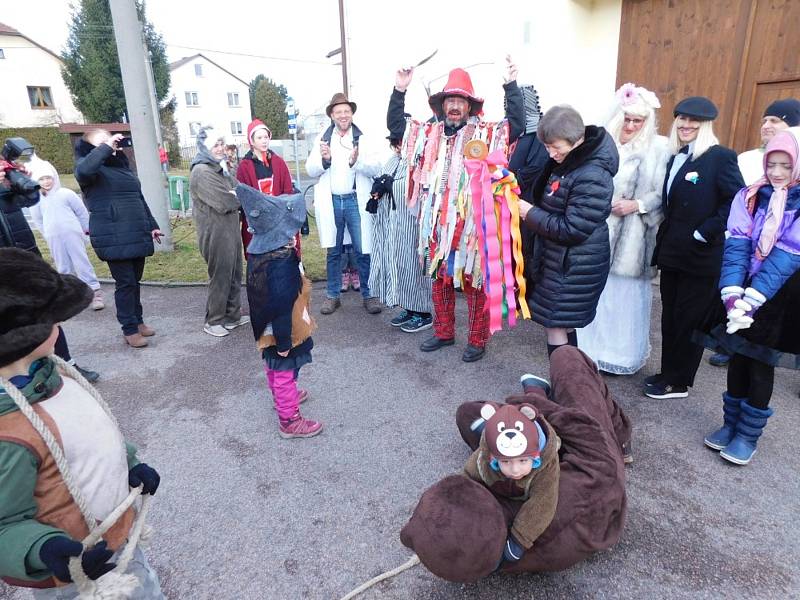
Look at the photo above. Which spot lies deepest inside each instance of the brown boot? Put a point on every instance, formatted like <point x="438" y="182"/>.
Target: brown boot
<point x="135" y="340"/>
<point x="329" y="306"/>
<point x="372" y="305"/>
<point x="146" y="331"/>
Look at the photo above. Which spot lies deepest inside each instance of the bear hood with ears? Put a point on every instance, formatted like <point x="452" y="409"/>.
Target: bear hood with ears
<point x="510" y="430"/>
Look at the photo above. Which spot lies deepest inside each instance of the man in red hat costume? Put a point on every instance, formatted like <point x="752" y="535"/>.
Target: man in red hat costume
<point x="441" y="189"/>
<point x="342" y="160"/>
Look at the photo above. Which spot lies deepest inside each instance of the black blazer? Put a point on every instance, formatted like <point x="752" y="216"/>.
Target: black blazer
<point x="702" y="206"/>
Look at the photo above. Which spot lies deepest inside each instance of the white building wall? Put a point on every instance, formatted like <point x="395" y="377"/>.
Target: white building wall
<point x="25" y="64"/>
<point x="566" y="48"/>
<point x="212" y="89"/>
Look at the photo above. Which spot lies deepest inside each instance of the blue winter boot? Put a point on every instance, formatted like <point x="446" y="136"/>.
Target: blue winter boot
<point x="749" y="428"/>
<point x="731" y="407"/>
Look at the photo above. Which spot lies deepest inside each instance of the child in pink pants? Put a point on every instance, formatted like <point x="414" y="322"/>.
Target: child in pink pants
<point x="278" y="295"/>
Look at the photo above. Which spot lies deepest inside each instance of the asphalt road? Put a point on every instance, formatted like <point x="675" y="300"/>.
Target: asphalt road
<point x="243" y="514"/>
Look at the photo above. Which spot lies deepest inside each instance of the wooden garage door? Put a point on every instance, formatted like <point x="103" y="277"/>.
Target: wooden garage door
<point x="771" y="68"/>
<point x="740" y="53"/>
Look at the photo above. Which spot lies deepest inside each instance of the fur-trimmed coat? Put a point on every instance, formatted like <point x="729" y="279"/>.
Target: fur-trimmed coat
<point x="633" y="237"/>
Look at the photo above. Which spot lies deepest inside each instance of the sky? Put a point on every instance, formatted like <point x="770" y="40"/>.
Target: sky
<point x="288" y="40"/>
<point x="301" y="30"/>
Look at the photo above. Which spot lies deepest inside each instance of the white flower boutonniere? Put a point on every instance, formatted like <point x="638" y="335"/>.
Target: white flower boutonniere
<point x="693" y="177"/>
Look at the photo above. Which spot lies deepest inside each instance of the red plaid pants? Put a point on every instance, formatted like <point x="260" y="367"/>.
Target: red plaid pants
<point x="444" y="306"/>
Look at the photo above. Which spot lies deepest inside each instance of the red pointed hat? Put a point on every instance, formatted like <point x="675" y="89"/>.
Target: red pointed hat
<point x="458" y="83"/>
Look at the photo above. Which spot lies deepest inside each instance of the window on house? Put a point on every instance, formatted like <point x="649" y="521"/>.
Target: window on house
<point x="233" y="99"/>
<point x="40" y="97"/>
<point x="194" y="127"/>
<point x="2" y="54"/>
<point x="236" y="127"/>
<point x="198" y="70"/>
<point x="191" y="99"/>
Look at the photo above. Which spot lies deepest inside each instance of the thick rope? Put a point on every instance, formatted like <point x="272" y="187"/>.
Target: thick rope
<point x="52" y="445"/>
<point x="115" y="584"/>
<point x="414" y="560"/>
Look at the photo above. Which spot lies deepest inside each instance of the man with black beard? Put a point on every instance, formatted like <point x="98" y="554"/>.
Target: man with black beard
<point x="447" y="239"/>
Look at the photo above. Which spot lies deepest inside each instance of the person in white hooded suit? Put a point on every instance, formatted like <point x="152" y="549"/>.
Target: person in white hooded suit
<point x="63" y="220"/>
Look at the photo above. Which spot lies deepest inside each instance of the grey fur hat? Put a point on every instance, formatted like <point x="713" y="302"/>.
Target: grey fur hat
<point x="274" y="219"/>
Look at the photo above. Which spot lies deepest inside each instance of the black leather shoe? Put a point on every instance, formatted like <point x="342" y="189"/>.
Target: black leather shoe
<point x="90" y="376"/>
<point x="472" y="353"/>
<point x="435" y="343"/>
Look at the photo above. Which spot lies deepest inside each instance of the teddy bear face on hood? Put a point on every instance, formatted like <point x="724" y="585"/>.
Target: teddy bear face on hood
<point x="510" y="431"/>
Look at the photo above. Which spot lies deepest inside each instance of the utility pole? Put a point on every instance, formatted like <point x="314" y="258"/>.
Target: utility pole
<point x="345" y="83"/>
<point x="128" y="34"/>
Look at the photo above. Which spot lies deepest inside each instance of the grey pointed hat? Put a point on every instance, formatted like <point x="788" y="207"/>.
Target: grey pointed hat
<point x="274" y="219"/>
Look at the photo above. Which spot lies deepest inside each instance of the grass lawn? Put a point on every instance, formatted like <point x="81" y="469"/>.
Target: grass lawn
<point x="184" y="263"/>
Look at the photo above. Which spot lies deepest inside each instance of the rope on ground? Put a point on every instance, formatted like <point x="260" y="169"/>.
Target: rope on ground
<point x="414" y="560"/>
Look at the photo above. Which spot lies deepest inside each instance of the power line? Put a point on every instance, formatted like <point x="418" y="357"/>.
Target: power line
<point x="297" y="60"/>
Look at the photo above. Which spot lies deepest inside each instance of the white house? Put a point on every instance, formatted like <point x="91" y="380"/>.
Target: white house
<point x="34" y="93"/>
<point x="208" y="94"/>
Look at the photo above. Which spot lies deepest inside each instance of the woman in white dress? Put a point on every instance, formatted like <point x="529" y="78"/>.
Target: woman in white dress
<point x="619" y="337"/>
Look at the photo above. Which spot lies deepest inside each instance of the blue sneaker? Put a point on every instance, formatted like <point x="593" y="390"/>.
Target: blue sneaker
<point x="530" y="381"/>
<point x="417" y="323"/>
<point x="401" y="319"/>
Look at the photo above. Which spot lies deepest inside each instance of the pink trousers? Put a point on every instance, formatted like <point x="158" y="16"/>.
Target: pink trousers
<point x="283" y="386"/>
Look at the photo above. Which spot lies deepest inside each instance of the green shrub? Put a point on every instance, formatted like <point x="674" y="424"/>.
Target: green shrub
<point x="51" y="144"/>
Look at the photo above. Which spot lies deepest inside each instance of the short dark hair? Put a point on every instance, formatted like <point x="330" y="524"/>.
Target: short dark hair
<point x="561" y="122"/>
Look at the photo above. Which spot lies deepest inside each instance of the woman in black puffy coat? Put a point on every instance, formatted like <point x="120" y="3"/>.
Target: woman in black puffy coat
<point x="568" y="267"/>
<point x="121" y="227"/>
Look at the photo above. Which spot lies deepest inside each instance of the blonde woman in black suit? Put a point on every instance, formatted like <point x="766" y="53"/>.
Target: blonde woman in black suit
<point x="701" y="180"/>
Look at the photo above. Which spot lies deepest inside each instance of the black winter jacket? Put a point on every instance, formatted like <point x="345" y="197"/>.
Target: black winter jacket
<point x="702" y="206"/>
<point x="120" y="222"/>
<point x="14" y="229"/>
<point x="569" y="265"/>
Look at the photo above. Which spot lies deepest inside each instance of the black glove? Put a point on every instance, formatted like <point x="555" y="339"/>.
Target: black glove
<point x="512" y="551"/>
<point x="56" y="552"/>
<point x="142" y="474"/>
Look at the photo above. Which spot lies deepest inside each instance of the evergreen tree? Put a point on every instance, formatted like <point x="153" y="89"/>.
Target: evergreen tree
<point x="91" y="64"/>
<point x="253" y="85"/>
<point x="169" y="132"/>
<point x="269" y="105"/>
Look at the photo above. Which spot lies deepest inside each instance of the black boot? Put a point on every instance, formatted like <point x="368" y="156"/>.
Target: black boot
<point x="90" y="376"/>
<point x="472" y="353"/>
<point x="435" y="343"/>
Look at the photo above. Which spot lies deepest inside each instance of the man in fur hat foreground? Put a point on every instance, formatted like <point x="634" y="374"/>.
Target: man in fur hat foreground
<point x="45" y="504"/>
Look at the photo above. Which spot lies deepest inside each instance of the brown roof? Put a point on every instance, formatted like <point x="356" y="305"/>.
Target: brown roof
<point x="6" y="30"/>
<point x="186" y="59"/>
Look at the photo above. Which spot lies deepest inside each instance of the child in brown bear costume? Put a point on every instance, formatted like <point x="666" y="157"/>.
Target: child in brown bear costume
<point x="557" y="514"/>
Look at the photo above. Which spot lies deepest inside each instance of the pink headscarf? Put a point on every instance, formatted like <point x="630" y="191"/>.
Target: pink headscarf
<point x="783" y="141"/>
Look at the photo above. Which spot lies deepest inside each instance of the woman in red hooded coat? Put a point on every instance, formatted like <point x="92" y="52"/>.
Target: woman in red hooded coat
<point x="263" y="170"/>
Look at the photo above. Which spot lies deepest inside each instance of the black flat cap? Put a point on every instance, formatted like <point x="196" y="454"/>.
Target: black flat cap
<point x="697" y="107"/>
<point x="787" y="110"/>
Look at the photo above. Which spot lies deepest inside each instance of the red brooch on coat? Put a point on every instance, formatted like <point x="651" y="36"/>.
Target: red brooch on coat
<point x="554" y="185"/>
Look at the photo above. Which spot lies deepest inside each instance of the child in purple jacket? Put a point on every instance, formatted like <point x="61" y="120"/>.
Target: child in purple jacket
<point x="760" y="289"/>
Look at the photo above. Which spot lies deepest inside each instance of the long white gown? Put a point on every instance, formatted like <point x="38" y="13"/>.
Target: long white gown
<point x="620" y="345"/>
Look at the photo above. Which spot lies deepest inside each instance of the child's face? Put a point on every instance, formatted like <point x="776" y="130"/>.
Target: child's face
<point x="47" y="347"/>
<point x="46" y="183"/>
<point x="779" y="169"/>
<point x="515" y="468"/>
